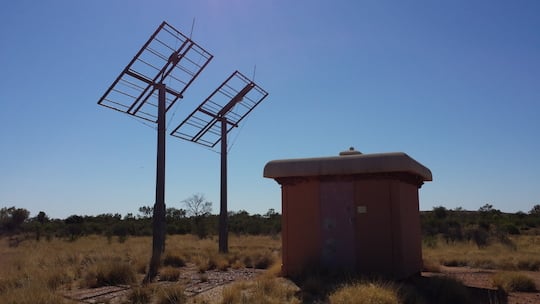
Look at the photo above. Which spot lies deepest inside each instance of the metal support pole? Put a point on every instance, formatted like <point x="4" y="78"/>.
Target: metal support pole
<point x="158" y="219"/>
<point x="223" y="229"/>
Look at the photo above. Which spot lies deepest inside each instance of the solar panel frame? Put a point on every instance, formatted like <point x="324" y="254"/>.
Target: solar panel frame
<point x="168" y="57"/>
<point x="232" y="101"/>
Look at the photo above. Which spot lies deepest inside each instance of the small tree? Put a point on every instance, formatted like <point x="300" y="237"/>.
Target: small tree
<point x="440" y="212"/>
<point x="173" y="214"/>
<point x="38" y="223"/>
<point x="535" y="210"/>
<point x="486" y="208"/>
<point x="198" y="208"/>
<point x="488" y="211"/>
<point x="42" y="218"/>
<point x="146" y="211"/>
<point x="11" y="219"/>
<point x="74" y="226"/>
<point x="196" y="205"/>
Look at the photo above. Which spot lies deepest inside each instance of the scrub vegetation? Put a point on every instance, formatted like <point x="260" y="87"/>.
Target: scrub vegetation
<point x="486" y="238"/>
<point x="513" y="281"/>
<point x="45" y="269"/>
<point x="43" y="259"/>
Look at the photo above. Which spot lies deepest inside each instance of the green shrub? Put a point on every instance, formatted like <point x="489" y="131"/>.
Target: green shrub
<point x="480" y="236"/>
<point x="513" y="281"/>
<point x="512" y="229"/>
<point x="430" y="241"/>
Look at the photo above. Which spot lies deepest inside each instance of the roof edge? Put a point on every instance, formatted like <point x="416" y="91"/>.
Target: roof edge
<point x="347" y="165"/>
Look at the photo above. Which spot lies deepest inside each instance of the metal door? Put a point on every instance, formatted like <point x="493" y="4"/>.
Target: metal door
<point x="337" y="225"/>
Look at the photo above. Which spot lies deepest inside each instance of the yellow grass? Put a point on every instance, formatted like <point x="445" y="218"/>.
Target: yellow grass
<point x="244" y="251"/>
<point x="140" y="295"/>
<point x="42" y="270"/>
<point x="172" y="294"/>
<point x="264" y="290"/>
<point x="495" y="256"/>
<point x="365" y="293"/>
<point x="39" y="272"/>
<point x="513" y="281"/>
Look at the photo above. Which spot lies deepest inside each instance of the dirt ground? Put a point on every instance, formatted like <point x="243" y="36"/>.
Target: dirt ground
<point x="482" y="279"/>
<point x="207" y="286"/>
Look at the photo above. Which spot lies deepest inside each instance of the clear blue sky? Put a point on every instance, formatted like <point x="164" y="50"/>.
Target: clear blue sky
<point x="454" y="84"/>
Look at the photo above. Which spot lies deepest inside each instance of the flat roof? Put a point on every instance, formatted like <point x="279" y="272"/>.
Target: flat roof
<point x="347" y="165"/>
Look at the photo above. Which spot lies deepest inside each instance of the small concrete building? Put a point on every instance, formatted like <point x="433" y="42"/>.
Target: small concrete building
<point x="353" y="212"/>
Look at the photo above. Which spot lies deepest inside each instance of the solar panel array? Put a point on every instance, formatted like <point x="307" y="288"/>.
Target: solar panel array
<point x="233" y="100"/>
<point x="168" y="57"/>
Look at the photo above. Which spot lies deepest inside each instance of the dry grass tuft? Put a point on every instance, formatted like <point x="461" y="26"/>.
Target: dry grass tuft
<point x="237" y="264"/>
<point x="43" y="268"/>
<point x="522" y="255"/>
<point x="173" y="260"/>
<point x="220" y="261"/>
<point x="140" y="295"/>
<point x="55" y="280"/>
<point x="234" y="294"/>
<point x="431" y="266"/>
<point x="244" y="251"/>
<point x="513" y="281"/>
<point x="110" y="273"/>
<point x="274" y="270"/>
<point x="265" y="290"/>
<point x="203" y="264"/>
<point x="263" y="260"/>
<point x="170" y="274"/>
<point x="140" y="266"/>
<point x="529" y="264"/>
<point x="365" y="293"/>
<point x="172" y="294"/>
<point x="34" y="295"/>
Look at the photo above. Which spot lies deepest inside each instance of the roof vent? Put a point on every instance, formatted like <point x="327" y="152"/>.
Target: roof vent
<point x="351" y="151"/>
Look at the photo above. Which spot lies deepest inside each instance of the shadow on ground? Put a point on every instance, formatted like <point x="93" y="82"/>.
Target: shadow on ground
<point x="316" y="288"/>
